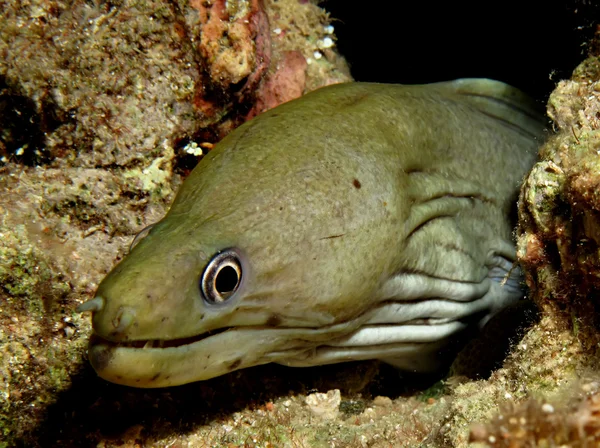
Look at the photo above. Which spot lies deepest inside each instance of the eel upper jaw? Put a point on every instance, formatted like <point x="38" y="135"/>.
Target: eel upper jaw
<point x="144" y="344"/>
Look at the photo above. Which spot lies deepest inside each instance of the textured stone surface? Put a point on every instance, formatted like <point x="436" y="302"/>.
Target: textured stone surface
<point x="559" y="210"/>
<point x="99" y="101"/>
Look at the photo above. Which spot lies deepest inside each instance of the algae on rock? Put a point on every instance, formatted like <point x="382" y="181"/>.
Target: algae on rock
<point x="555" y="366"/>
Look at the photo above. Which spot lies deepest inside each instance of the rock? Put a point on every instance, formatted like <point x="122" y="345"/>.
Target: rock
<point x="326" y="405"/>
<point x="384" y="402"/>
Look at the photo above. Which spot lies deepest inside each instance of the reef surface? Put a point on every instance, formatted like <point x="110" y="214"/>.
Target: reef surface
<point x="107" y="105"/>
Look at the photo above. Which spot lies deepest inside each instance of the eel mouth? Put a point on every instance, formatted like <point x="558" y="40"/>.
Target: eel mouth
<point x="96" y="339"/>
<point x="162" y="363"/>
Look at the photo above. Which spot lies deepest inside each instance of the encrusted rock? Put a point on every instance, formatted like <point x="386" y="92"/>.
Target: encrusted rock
<point x="326" y="405"/>
<point x="559" y="208"/>
<point x="105" y="105"/>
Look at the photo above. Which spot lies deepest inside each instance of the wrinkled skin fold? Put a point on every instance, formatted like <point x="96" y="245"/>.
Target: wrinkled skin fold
<point x="361" y="221"/>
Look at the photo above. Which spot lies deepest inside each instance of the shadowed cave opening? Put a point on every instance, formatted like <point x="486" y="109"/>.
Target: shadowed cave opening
<point x="530" y="45"/>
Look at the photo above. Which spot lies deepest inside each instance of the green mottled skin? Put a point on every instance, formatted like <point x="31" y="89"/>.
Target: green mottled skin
<point x="326" y="198"/>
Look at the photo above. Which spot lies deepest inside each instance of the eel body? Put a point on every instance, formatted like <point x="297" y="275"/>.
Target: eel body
<point x="361" y="221"/>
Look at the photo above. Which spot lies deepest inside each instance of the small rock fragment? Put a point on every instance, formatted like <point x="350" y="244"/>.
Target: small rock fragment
<point x="384" y="402"/>
<point x="326" y="405"/>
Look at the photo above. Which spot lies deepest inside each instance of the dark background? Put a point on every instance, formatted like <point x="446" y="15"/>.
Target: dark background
<point x="529" y="44"/>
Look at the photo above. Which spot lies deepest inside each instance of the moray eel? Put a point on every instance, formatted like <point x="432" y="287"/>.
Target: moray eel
<point x="361" y="221"/>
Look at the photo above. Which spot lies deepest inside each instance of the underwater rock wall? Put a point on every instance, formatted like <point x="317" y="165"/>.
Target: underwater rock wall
<point x="554" y="371"/>
<point x="559" y="209"/>
<point x="104" y="106"/>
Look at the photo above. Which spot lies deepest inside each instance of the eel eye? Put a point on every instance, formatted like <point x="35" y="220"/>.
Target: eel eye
<point x="221" y="277"/>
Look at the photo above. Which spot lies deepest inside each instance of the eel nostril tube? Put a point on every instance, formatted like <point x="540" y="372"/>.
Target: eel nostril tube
<point x="94" y="305"/>
<point x="123" y="319"/>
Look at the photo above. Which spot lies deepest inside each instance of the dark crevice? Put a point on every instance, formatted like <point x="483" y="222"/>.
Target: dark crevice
<point x="530" y="46"/>
<point x="23" y="127"/>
